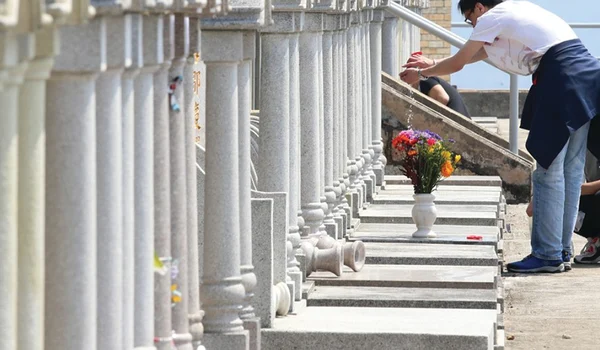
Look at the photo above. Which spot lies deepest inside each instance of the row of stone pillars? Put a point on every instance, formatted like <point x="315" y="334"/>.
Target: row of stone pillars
<point x="108" y="241"/>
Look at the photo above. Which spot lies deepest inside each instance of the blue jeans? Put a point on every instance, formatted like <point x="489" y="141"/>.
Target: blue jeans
<point x="556" y="192"/>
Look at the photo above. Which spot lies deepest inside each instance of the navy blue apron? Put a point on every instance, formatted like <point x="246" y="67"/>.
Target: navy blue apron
<point x="565" y="95"/>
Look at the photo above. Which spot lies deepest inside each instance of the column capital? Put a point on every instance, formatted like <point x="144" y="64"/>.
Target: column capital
<point x="244" y="15"/>
<point x="88" y="39"/>
<point x="314" y="21"/>
<point x="285" y="22"/>
<point x="224" y="46"/>
<point x="378" y="15"/>
<point x="290" y="5"/>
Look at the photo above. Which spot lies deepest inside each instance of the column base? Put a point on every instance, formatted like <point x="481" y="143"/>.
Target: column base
<point x="354" y="200"/>
<point x="292" y="288"/>
<point x="369" y="190"/>
<point x="296" y="277"/>
<point x="331" y="229"/>
<point x="233" y="341"/>
<point x="339" y="221"/>
<point x="252" y="325"/>
<point x="378" y="176"/>
<point x="302" y="265"/>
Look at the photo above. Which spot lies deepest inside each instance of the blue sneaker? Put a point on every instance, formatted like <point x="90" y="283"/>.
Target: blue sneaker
<point x="532" y="264"/>
<point x="566" y="257"/>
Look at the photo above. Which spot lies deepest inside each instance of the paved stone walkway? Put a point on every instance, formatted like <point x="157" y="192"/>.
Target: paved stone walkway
<point x="548" y="311"/>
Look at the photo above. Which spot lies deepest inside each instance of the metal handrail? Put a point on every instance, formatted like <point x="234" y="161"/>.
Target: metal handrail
<point x="458" y="41"/>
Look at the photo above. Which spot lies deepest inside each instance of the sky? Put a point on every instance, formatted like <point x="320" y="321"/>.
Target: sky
<point x="572" y="11"/>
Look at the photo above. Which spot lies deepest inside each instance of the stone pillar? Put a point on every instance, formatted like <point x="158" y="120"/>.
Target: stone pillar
<point x="367" y="151"/>
<point x="251" y="322"/>
<point x="273" y="166"/>
<point x="415" y="33"/>
<point x="192" y="83"/>
<point x="310" y="170"/>
<point x="352" y="114"/>
<point x="294" y="140"/>
<point x="71" y="189"/>
<point x="389" y="58"/>
<point x="360" y="110"/>
<point x="222" y="291"/>
<point x="179" y="250"/>
<point x="9" y="193"/>
<point x="336" y="132"/>
<point x="32" y="170"/>
<point x="109" y="153"/>
<point x="129" y="179"/>
<point x="379" y="160"/>
<point x="345" y="162"/>
<point x="327" y="137"/>
<point x="148" y="31"/>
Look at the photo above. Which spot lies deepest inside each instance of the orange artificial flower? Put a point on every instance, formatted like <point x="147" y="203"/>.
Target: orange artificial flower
<point x="447" y="169"/>
<point x="411" y="153"/>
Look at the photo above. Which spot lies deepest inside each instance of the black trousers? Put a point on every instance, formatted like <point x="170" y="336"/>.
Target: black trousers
<point x="590" y="205"/>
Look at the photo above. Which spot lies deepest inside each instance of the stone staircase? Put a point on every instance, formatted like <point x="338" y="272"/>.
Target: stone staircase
<point x="489" y="123"/>
<point x="441" y="293"/>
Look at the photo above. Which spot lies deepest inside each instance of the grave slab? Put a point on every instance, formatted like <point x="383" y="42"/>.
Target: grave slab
<point x="447" y="234"/>
<point x="430" y="254"/>
<point x="412" y="276"/>
<point x="442" y="198"/>
<point x="452" y="180"/>
<point x="440" y="298"/>
<point x="334" y="328"/>
<point x="484" y="215"/>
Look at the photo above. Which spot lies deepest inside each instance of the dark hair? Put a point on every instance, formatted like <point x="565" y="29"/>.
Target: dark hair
<point x="466" y="5"/>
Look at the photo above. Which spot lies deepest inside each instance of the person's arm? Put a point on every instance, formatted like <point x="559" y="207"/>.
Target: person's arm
<point x="439" y="94"/>
<point x="465" y="55"/>
<point x="590" y="188"/>
<point x="420" y="61"/>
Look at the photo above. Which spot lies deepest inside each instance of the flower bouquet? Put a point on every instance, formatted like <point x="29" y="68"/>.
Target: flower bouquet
<point x="425" y="159"/>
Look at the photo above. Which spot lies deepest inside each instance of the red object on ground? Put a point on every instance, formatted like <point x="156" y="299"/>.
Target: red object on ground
<point x="475" y="238"/>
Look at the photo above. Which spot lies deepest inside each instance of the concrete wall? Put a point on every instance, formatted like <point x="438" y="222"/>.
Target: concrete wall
<point x="490" y="103"/>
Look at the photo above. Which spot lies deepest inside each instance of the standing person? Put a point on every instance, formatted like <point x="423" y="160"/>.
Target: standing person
<point x="523" y="38"/>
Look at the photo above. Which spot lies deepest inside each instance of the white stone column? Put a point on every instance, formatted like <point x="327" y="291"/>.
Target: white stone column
<point x="222" y="291"/>
<point x="129" y="179"/>
<point x="251" y="322"/>
<point x="336" y="132"/>
<point x="310" y="49"/>
<point x="376" y="52"/>
<point x="327" y="136"/>
<point x="345" y="162"/>
<point x="179" y="249"/>
<point x="148" y="31"/>
<point x="390" y="52"/>
<point x="367" y="151"/>
<point x="71" y="189"/>
<point x="9" y="193"/>
<point x="32" y="170"/>
<point x="415" y="33"/>
<point x="294" y="151"/>
<point x="109" y="151"/>
<point x="162" y="192"/>
<point x="192" y="83"/>
<point x="352" y="114"/>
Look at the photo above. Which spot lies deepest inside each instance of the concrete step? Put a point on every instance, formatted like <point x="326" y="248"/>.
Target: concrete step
<point x="483" y="215"/>
<point x="412" y="276"/>
<point x="485" y="119"/>
<point x="458" y="180"/>
<point x="307" y="288"/>
<point x="447" y="234"/>
<point x="430" y="254"/>
<point x="440" y="298"/>
<point x="343" y="328"/>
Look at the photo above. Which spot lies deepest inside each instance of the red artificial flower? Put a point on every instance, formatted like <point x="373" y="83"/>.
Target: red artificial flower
<point x="431" y="142"/>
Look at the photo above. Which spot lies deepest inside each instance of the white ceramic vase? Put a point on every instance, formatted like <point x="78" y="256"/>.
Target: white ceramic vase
<point x="424" y="214"/>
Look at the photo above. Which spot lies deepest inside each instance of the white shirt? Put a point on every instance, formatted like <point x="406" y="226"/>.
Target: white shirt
<point x="518" y="33"/>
